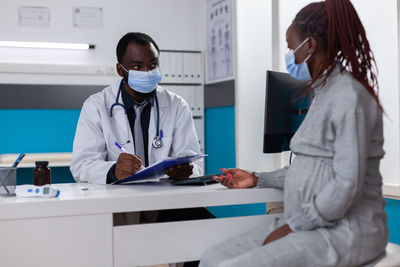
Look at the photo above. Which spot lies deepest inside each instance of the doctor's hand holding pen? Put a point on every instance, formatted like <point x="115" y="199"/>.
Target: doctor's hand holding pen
<point x="237" y="178"/>
<point x="180" y="172"/>
<point x="127" y="165"/>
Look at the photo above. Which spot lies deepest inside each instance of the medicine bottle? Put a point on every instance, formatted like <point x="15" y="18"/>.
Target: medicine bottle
<point x="41" y="173"/>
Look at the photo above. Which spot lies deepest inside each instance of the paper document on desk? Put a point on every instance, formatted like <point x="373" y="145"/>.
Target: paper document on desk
<point x="157" y="170"/>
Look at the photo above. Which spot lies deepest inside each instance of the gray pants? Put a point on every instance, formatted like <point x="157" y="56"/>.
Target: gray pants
<point x="307" y="248"/>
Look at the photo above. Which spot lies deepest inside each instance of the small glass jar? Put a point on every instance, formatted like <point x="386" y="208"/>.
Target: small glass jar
<point x="41" y="173"/>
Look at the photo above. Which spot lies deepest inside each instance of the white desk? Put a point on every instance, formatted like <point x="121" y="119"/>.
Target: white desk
<point x="76" y="229"/>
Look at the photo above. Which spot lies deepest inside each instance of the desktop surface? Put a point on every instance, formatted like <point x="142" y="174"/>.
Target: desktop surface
<point x="153" y="195"/>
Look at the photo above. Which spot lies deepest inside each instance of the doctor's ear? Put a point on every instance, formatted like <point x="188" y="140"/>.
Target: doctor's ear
<point x="119" y="70"/>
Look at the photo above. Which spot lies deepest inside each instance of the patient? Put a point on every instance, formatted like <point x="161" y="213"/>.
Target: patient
<point x="334" y="210"/>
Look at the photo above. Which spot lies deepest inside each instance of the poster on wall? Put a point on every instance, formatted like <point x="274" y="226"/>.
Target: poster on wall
<point x="33" y="16"/>
<point x="88" y="17"/>
<point x="219" y="40"/>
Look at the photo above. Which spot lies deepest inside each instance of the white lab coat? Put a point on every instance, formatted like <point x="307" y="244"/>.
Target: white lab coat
<point x="94" y="151"/>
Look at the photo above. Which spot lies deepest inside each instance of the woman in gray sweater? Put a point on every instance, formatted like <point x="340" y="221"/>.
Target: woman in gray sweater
<point x="334" y="210"/>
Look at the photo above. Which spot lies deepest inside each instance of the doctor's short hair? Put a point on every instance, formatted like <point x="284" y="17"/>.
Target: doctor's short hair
<point x="136" y="37"/>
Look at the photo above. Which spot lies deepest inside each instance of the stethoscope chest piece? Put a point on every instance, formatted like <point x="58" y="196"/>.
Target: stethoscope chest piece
<point x="157" y="142"/>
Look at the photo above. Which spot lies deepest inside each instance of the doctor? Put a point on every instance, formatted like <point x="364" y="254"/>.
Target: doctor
<point x="149" y="122"/>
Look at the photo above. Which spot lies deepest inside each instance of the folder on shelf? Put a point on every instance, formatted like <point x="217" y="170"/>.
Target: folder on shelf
<point x="157" y="170"/>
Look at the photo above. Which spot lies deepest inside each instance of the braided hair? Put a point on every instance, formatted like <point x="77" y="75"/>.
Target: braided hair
<point x="338" y="29"/>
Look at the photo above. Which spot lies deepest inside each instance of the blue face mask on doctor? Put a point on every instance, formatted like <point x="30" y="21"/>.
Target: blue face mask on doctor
<point x="143" y="81"/>
<point x="298" y="71"/>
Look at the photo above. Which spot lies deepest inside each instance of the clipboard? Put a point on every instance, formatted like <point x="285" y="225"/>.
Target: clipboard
<point x="156" y="170"/>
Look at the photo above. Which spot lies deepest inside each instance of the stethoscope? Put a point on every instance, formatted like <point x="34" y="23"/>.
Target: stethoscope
<point x="157" y="141"/>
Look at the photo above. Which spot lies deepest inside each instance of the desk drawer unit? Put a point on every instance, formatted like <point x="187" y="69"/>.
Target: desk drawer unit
<point x="79" y="241"/>
<point x="156" y="243"/>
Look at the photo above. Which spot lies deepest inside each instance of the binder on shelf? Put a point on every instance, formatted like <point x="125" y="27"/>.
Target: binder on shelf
<point x="165" y="67"/>
<point x="188" y="67"/>
<point x="198" y="68"/>
<point x="190" y="97"/>
<point x="199" y="96"/>
<point x="157" y="170"/>
<point x="176" y="67"/>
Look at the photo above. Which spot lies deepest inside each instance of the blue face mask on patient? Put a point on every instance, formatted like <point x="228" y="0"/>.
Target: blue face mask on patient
<point x="143" y="81"/>
<point x="298" y="71"/>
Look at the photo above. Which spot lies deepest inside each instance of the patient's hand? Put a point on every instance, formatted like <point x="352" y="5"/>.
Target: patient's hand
<point x="237" y="178"/>
<point x="280" y="232"/>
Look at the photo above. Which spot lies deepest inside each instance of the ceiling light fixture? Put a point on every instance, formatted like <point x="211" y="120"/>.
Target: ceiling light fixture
<point x="73" y="46"/>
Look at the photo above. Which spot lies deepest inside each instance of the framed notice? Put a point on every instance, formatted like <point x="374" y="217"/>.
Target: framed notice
<point x="34" y="16"/>
<point x="88" y="17"/>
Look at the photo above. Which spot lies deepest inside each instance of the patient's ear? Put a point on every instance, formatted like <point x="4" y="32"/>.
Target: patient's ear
<point x="313" y="45"/>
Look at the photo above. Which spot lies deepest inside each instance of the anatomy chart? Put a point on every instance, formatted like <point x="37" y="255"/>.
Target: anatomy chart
<point x="219" y="40"/>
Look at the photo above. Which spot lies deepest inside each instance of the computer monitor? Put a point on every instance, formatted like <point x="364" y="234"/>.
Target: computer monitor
<point x="285" y="110"/>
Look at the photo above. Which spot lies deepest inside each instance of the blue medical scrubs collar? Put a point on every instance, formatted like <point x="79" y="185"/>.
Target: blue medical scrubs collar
<point x="157" y="141"/>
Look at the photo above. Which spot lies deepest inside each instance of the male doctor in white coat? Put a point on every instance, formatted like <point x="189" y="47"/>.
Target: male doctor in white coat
<point x="149" y="122"/>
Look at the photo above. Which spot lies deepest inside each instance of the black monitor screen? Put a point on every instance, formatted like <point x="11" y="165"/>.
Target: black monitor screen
<point x="284" y="110"/>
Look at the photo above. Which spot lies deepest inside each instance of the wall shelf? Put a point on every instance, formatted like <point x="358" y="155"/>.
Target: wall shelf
<point x="54" y="159"/>
<point x="391" y="191"/>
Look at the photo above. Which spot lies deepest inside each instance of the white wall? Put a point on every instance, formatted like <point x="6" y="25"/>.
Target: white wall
<point x="253" y="58"/>
<point x="380" y="22"/>
<point x="380" y="19"/>
<point x="174" y="24"/>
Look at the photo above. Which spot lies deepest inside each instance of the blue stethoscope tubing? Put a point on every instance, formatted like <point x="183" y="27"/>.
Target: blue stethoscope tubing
<point x="157" y="141"/>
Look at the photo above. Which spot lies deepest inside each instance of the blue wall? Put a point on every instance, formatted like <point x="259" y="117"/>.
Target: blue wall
<point x="220" y="138"/>
<point x="393" y="210"/>
<point x="37" y="130"/>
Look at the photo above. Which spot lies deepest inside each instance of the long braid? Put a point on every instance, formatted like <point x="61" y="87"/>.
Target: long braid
<point x="338" y="28"/>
